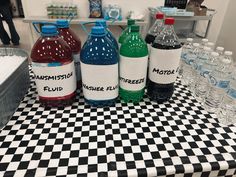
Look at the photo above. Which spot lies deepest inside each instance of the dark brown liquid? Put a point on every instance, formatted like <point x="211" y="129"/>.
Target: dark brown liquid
<point x="161" y="92"/>
<point x="149" y="39"/>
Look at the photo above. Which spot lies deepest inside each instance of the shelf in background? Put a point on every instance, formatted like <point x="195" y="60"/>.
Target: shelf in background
<point x="192" y="18"/>
<point x="82" y="20"/>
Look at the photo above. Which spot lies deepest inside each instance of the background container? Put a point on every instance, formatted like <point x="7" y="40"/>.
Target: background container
<point x="14" y="82"/>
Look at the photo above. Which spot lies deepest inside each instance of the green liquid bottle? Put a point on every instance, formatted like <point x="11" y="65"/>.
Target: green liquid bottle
<point x="133" y="66"/>
<point x="126" y="32"/>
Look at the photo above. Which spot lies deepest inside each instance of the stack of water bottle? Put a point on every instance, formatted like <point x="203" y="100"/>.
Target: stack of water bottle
<point x="209" y="75"/>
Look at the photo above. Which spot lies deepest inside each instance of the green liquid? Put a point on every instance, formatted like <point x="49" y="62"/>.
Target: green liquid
<point x="133" y="47"/>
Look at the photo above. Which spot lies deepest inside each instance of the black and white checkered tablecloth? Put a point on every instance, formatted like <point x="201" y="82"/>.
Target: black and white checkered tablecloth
<point x="175" y="139"/>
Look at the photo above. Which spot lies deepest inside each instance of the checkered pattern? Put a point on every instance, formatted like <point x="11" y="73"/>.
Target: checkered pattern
<point x="175" y="139"/>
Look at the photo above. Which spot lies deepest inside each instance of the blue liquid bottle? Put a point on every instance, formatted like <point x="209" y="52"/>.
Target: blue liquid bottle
<point x="109" y="33"/>
<point x="99" y="66"/>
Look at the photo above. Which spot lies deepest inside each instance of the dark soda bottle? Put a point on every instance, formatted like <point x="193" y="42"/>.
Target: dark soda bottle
<point x="155" y="29"/>
<point x="54" y="69"/>
<point x="164" y="63"/>
<point x="99" y="66"/>
<point x="75" y="44"/>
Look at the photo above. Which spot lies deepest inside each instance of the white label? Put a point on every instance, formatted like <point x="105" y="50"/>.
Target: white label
<point x="149" y="48"/>
<point x="133" y="72"/>
<point x="164" y="65"/>
<point x="76" y="58"/>
<point x="54" y="81"/>
<point x="100" y="82"/>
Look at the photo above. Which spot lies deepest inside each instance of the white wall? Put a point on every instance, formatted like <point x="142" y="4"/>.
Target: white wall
<point x="227" y="37"/>
<point x="220" y="6"/>
<point x="38" y="8"/>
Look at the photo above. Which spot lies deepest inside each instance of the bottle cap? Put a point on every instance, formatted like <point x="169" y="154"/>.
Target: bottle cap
<point x="220" y="49"/>
<point x="196" y="44"/>
<point x="214" y="54"/>
<point x="228" y="53"/>
<point x="205" y="40"/>
<point x="210" y="44"/>
<point x="130" y="22"/>
<point x="159" y="15"/>
<point x="49" y="30"/>
<point x="98" y="30"/>
<point x="101" y="23"/>
<point x="62" y="23"/>
<point x="169" y="21"/>
<point x="134" y="28"/>
<point x="189" y="39"/>
<point x="207" y="48"/>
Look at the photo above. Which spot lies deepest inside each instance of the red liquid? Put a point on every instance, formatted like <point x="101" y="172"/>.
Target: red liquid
<point x="50" y="50"/>
<point x="75" y="44"/>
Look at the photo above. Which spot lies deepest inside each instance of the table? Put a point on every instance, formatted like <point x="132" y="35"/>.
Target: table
<point x="175" y="139"/>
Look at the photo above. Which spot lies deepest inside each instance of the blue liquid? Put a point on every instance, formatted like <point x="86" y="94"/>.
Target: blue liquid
<point x="109" y="35"/>
<point x="98" y="50"/>
<point x="112" y="39"/>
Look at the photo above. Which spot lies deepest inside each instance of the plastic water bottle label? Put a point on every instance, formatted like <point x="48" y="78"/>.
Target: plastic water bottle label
<point x="54" y="79"/>
<point x="190" y="58"/>
<point x="164" y="65"/>
<point x="223" y="84"/>
<point x="232" y="92"/>
<point x="100" y="82"/>
<point x="204" y="72"/>
<point x="133" y="72"/>
<point x="76" y="58"/>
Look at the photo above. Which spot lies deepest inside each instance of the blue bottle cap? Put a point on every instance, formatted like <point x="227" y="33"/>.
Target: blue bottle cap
<point x="98" y="30"/>
<point x="62" y="23"/>
<point x="101" y="23"/>
<point x="49" y="30"/>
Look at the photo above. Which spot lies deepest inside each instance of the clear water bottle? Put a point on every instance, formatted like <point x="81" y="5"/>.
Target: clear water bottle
<point x="204" y="55"/>
<point x="193" y="60"/>
<point x="188" y="46"/>
<point x="203" y="84"/>
<point x="219" y="83"/>
<point x="227" y="110"/>
<point x="190" y="58"/>
<point x="225" y="61"/>
<point x="220" y="50"/>
<point x="211" y="45"/>
<point x="203" y="43"/>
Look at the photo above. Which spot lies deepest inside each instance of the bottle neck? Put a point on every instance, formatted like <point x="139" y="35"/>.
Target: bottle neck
<point x="135" y="34"/>
<point x="169" y="29"/>
<point x="98" y="35"/>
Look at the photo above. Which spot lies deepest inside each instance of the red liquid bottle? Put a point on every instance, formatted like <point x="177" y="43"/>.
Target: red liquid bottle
<point x="75" y="44"/>
<point x="53" y="69"/>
